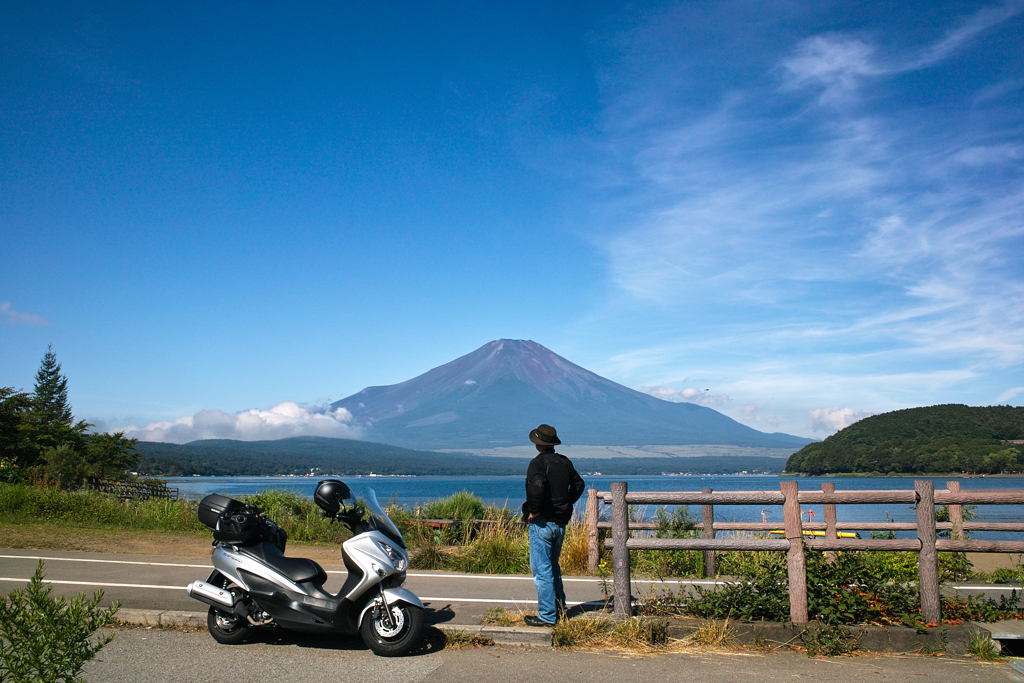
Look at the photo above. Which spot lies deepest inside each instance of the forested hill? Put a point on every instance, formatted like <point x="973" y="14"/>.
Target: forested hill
<point x="937" y="439"/>
<point x="299" y="455"/>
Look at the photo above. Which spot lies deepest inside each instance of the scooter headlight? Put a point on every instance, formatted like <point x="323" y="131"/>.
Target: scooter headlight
<point x="397" y="557"/>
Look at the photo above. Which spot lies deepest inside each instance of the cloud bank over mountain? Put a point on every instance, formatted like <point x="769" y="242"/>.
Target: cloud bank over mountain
<point x="279" y="422"/>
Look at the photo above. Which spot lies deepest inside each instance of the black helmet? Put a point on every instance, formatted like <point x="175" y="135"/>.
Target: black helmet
<point x="330" y="493"/>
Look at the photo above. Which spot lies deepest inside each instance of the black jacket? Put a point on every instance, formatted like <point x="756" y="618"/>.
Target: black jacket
<point x="552" y="486"/>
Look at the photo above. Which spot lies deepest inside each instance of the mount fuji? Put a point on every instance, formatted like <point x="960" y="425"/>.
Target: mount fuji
<point x="495" y="395"/>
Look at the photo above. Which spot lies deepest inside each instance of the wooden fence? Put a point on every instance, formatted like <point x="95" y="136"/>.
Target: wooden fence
<point x="927" y="545"/>
<point x="133" y="490"/>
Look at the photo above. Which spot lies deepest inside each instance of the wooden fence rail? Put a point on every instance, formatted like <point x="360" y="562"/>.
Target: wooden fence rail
<point x="924" y="497"/>
<point x="126" y="490"/>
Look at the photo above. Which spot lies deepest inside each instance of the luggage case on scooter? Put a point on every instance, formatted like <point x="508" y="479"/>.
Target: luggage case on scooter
<point x="239" y="524"/>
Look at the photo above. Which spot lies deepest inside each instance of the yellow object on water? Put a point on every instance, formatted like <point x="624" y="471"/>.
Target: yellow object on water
<point x="808" y="532"/>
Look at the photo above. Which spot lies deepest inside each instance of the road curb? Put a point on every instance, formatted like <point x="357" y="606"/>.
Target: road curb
<point x="162" y="618"/>
<point x="505" y="635"/>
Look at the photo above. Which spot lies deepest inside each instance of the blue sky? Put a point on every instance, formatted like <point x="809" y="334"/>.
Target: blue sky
<point x="795" y="213"/>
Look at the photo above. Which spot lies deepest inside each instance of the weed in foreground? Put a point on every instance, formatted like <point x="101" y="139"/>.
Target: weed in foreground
<point x="639" y="633"/>
<point x="981" y="647"/>
<point x="713" y="634"/>
<point x="581" y="631"/>
<point x="49" y="639"/>
<point x="429" y="555"/>
<point x="457" y="640"/>
<point x="829" y="640"/>
<point x="499" y="616"/>
<point x="663" y="602"/>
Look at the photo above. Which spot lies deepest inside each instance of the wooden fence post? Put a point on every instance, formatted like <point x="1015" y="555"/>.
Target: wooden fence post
<point x="707" y="518"/>
<point x="620" y="553"/>
<point x="928" y="557"/>
<point x="593" y="551"/>
<point x="796" y="563"/>
<point x="956" y="513"/>
<point x="830" y="520"/>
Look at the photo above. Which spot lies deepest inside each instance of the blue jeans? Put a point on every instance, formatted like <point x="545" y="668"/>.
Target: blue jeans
<point x="545" y="548"/>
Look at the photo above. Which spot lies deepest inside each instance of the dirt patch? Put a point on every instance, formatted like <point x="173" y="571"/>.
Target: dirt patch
<point x="54" y="536"/>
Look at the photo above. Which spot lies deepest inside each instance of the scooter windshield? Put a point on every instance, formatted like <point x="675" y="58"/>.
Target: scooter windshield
<point x="379" y="519"/>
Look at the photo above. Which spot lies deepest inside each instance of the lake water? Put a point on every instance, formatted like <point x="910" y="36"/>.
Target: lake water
<point x="509" y="491"/>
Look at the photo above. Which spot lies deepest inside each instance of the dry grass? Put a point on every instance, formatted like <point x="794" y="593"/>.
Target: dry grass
<point x="574" y="549"/>
<point x="637" y="635"/>
<point x="499" y="616"/>
<point x="712" y="634"/>
<point x="640" y="634"/>
<point x="582" y="631"/>
<point x="458" y="640"/>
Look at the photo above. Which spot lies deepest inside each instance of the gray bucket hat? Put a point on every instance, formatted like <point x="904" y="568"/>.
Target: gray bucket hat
<point x="545" y="435"/>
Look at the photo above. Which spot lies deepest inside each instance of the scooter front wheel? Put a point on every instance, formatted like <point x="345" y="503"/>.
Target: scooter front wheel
<point x="226" y="629"/>
<point x="396" y="638"/>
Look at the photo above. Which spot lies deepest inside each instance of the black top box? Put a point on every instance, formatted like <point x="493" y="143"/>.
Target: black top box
<point x="213" y="506"/>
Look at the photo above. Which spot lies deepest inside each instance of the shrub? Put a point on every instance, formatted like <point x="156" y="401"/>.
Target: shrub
<point x="498" y="549"/>
<point x="461" y="505"/>
<point x="47" y="639"/>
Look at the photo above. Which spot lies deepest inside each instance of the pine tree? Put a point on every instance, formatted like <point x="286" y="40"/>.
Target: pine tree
<point x="51" y="391"/>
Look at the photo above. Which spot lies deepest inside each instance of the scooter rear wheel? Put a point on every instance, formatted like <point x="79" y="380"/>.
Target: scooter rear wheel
<point x="226" y="629"/>
<point x="392" y="641"/>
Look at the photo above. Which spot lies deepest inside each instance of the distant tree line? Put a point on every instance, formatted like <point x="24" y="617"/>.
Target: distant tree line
<point x="41" y="442"/>
<point x="301" y="455"/>
<point x="936" y="439"/>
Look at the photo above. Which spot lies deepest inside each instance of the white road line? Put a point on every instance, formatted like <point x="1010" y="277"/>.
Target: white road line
<point x="984" y="588"/>
<point x="84" y="559"/>
<point x="565" y="579"/>
<point x="95" y="583"/>
<point x="181" y="588"/>
<point x="505" y="602"/>
<point x="489" y="577"/>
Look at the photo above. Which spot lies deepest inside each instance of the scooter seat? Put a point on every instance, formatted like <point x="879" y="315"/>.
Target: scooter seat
<point x="298" y="569"/>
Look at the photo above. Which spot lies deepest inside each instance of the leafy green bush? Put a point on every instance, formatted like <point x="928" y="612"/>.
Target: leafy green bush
<point x="461" y="505"/>
<point x="47" y="639"/>
<point x="300" y="517"/>
<point x="848" y="591"/>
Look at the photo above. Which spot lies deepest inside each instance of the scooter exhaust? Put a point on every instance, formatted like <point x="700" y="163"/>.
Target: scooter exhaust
<point x="211" y="595"/>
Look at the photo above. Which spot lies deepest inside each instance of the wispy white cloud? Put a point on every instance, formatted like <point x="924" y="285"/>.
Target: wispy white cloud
<point x="1008" y="395"/>
<point x="281" y="421"/>
<point x="818" y="242"/>
<point x="834" y="419"/>
<point x="964" y="32"/>
<point x="13" y="317"/>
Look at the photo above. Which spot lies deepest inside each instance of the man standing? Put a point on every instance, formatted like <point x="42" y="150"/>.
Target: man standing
<point x="552" y="487"/>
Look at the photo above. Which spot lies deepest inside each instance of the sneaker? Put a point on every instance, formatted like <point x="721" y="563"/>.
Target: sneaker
<point x="536" y="621"/>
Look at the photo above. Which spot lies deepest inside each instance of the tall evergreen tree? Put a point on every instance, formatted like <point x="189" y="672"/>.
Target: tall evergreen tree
<point x="51" y="391"/>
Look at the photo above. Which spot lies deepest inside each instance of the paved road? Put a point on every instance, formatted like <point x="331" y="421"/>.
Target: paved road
<point x="158" y="582"/>
<point x="177" y="657"/>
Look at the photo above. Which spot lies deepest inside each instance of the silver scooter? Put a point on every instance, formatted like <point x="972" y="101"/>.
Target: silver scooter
<point x="253" y="584"/>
